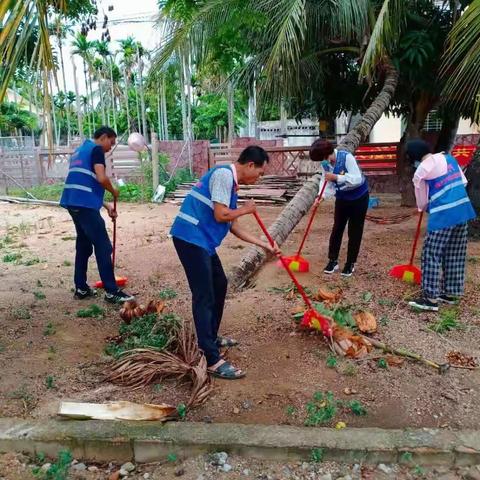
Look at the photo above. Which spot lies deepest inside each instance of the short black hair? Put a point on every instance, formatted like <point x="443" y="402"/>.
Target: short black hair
<point x="109" y="132"/>
<point x="416" y="149"/>
<point x="254" y="154"/>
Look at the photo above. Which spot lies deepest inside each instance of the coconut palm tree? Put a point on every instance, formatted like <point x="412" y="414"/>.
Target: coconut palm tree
<point x="103" y="50"/>
<point x="98" y="70"/>
<point x="128" y="52"/>
<point x="83" y="47"/>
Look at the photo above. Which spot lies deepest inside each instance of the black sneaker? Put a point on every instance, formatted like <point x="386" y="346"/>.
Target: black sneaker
<point x="332" y="266"/>
<point x="448" y="299"/>
<point x="118" y="297"/>
<point x="348" y="270"/>
<point x="424" y="304"/>
<point x="82" y="294"/>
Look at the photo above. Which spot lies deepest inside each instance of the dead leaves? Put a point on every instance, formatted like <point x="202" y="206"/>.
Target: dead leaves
<point x="131" y="310"/>
<point x="460" y="359"/>
<point x="366" y="322"/>
<point x="348" y="344"/>
<point x="327" y="296"/>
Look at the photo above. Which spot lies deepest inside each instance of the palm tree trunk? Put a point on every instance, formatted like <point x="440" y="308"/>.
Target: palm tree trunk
<point x="139" y="118"/>
<point x="102" y="102"/>
<point x="164" y="108"/>
<point x="127" y="108"/>
<point x="64" y="88"/>
<point x="86" y="95"/>
<point x="77" y="101"/>
<point x="112" y="90"/>
<point x="54" y="117"/>
<point x="159" y="113"/>
<point x="142" y="95"/>
<point x="303" y="200"/>
<point x="183" y="101"/>
<point x="231" y="111"/>
<point x="448" y="133"/>
<point x="252" y="112"/>
<point x="94" y="119"/>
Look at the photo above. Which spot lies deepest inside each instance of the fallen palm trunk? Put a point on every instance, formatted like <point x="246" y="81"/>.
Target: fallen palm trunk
<point x="291" y="215"/>
<point x="140" y="367"/>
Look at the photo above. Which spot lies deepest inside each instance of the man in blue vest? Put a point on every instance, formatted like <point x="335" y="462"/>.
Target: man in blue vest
<point x="207" y="214"/>
<point x="82" y="196"/>
<point x="440" y="189"/>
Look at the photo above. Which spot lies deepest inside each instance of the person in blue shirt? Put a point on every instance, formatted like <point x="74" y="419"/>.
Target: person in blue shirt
<point x="206" y="216"/>
<point x="82" y="196"/>
<point x="351" y="203"/>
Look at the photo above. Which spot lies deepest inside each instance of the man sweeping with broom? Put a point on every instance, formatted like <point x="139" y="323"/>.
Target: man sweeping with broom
<point x="82" y="196"/>
<point x="207" y="214"/>
<point x="440" y="188"/>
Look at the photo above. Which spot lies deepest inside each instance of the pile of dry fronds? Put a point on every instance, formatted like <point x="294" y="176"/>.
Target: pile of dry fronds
<point x="140" y="367"/>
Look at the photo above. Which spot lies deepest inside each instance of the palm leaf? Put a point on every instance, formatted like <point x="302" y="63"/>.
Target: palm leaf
<point x="461" y="62"/>
<point x="385" y="35"/>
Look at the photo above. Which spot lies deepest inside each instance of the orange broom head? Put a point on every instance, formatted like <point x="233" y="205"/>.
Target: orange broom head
<point x="313" y="319"/>
<point x="296" y="264"/>
<point x="407" y="273"/>
<point x="121" y="282"/>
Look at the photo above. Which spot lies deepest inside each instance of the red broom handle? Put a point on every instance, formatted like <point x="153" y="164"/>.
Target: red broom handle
<point x="114" y="233"/>
<point x="417" y="234"/>
<point x="312" y="216"/>
<point x="284" y="262"/>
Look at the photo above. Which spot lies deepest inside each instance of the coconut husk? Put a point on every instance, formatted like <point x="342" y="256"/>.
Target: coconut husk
<point x="348" y="344"/>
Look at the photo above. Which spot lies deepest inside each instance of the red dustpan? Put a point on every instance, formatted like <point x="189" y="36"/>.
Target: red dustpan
<point x="121" y="281"/>
<point x="410" y="273"/>
<point x="311" y="317"/>
<point x="296" y="262"/>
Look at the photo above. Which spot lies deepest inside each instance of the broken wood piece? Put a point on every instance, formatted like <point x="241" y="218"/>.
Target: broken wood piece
<point x="121" y="410"/>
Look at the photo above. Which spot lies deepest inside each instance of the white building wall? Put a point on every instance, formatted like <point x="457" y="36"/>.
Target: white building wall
<point x="387" y="129"/>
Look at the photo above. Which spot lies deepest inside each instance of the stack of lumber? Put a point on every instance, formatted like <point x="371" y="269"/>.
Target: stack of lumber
<point x="269" y="190"/>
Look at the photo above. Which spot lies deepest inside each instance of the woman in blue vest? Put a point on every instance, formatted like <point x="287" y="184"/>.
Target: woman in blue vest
<point x="207" y="214"/>
<point x="82" y="196"/>
<point x="351" y="204"/>
<point x="440" y="189"/>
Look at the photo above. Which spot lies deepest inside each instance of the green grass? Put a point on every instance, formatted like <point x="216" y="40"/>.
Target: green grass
<point x="39" y="295"/>
<point x="321" y="409"/>
<point x="316" y="455"/>
<point x="93" y="311"/>
<point x="67" y="263"/>
<point x="21" y="313"/>
<point x="382" y="363"/>
<point x="31" y="261"/>
<point x="149" y="331"/>
<point x="167" y="294"/>
<point x="332" y="361"/>
<point x="42" y="192"/>
<point x="57" y="470"/>
<point x="182" y="410"/>
<point x="11" y="257"/>
<point x="448" y="321"/>
<point x="49" y="330"/>
<point x="50" y="382"/>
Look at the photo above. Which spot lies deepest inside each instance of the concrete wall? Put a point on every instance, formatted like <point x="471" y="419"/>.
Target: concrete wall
<point x="387" y="129"/>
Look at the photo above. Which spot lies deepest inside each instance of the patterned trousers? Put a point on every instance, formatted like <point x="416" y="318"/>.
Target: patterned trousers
<point x="444" y="251"/>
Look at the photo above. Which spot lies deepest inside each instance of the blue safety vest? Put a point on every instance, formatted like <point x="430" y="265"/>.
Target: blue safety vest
<point x="195" y="223"/>
<point x="448" y="204"/>
<point x="81" y="186"/>
<point x="344" y="191"/>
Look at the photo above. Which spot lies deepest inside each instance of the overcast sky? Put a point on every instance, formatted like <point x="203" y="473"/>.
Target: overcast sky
<point x="128" y="18"/>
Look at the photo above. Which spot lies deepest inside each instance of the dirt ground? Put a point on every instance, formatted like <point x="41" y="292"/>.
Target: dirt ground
<point x="48" y="354"/>
<point x="20" y="467"/>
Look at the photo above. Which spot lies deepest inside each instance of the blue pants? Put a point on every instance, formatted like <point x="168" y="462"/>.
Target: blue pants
<point x="92" y="234"/>
<point x="208" y="284"/>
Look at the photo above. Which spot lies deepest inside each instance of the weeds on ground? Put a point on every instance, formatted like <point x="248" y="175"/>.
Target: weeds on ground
<point x="67" y="263"/>
<point x="332" y="361"/>
<point x="448" y="321"/>
<point x="39" y="295"/>
<point x="25" y="396"/>
<point x="12" y="257"/>
<point x="93" y="311"/>
<point x="167" y="293"/>
<point x="21" y="313"/>
<point x="5" y="241"/>
<point x="182" y="410"/>
<point x="149" y="331"/>
<point x="316" y="455"/>
<point x="49" y="329"/>
<point x="50" y="382"/>
<point x="57" y="470"/>
<point x="382" y="363"/>
<point x="291" y="410"/>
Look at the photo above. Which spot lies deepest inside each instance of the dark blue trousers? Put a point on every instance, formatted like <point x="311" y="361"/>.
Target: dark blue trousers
<point x="92" y="234"/>
<point x="208" y="284"/>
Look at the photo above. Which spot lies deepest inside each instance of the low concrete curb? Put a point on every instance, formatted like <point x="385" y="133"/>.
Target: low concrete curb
<point x="149" y="442"/>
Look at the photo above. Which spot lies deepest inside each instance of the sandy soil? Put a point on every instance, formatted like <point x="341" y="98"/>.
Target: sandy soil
<point x="48" y="354"/>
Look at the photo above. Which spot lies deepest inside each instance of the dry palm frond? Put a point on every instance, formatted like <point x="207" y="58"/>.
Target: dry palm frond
<point x="140" y="367"/>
